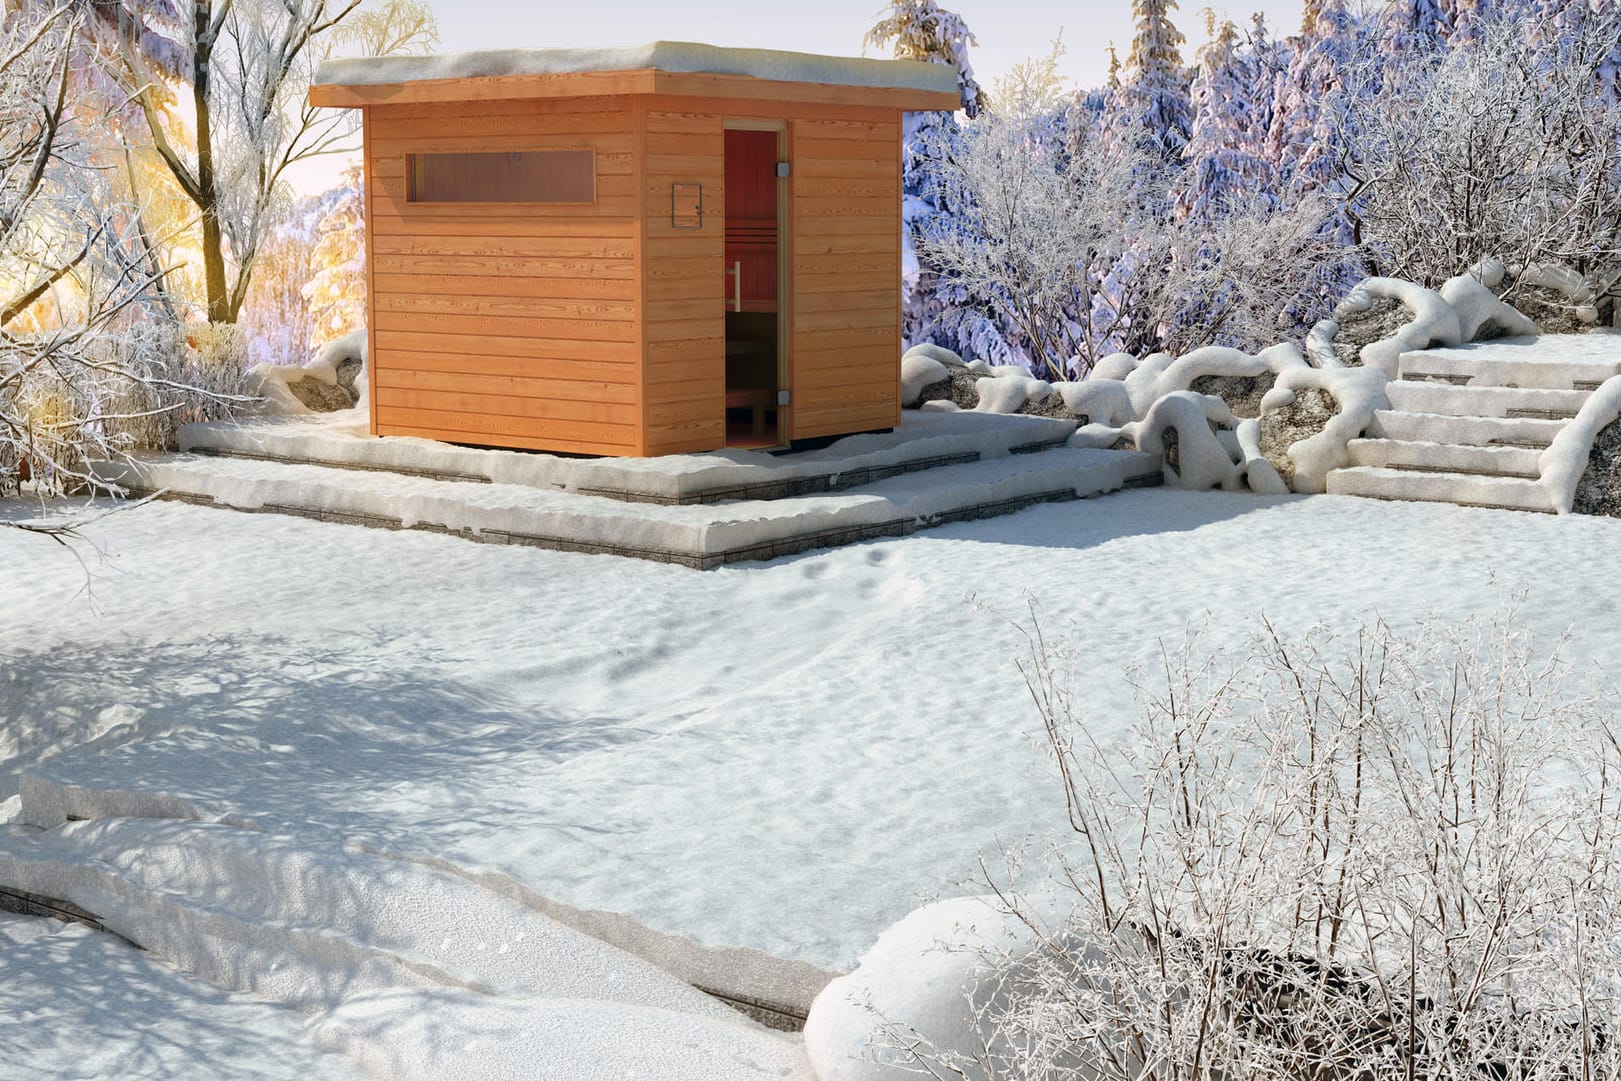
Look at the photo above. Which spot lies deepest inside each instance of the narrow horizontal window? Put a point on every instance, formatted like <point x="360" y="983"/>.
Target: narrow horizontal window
<point x="525" y="176"/>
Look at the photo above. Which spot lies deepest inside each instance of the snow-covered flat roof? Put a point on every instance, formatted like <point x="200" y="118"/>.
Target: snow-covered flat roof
<point x="684" y="57"/>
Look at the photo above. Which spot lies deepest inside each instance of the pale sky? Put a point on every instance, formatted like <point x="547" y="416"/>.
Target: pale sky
<point x="1009" y="31"/>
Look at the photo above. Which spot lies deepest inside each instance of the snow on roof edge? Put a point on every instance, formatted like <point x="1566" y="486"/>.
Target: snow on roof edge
<point x="671" y="56"/>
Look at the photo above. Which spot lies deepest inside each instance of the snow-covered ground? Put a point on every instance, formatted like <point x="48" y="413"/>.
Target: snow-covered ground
<point x="786" y="755"/>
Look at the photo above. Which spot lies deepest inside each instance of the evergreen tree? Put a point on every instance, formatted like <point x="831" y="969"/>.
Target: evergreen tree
<point x="1231" y="101"/>
<point x="1155" y="91"/>
<point x="923" y="30"/>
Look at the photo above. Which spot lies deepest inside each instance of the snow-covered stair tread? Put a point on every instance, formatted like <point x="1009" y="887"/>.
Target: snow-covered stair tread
<point x="1554" y="361"/>
<point x="697" y="534"/>
<point x="1475" y="431"/>
<point x="921" y="441"/>
<point x="1484" y="401"/>
<point x="1464" y="489"/>
<point x="1500" y="461"/>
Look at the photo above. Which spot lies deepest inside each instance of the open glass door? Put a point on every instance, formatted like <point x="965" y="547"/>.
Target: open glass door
<point x="752" y="288"/>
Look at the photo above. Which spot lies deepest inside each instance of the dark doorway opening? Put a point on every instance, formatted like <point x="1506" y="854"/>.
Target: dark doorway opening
<point x="753" y="363"/>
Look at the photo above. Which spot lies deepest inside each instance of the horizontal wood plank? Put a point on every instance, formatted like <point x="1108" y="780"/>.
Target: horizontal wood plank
<point x="512" y="386"/>
<point x="556" y="348"/>
<point x="479" y="325"/>
<point x="522" y="440"/>
<point x="442" y="282"/>
<point x="521" y="307"/>
<point x="507" y="405"/>
<point x="562" y="364"/>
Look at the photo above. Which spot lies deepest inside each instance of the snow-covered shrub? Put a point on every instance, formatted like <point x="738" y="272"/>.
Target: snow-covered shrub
<point x="1506" y="143"/>
<point x="1377" y="855"/>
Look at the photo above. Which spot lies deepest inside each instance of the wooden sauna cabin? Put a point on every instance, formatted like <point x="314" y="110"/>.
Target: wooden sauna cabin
<point x="641" y="251"/>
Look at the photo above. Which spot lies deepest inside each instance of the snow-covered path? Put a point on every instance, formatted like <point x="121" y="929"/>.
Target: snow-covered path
<point x="785" y="756"/>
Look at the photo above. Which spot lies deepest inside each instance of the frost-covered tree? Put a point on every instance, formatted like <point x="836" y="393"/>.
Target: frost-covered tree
<point x="248" y="65"/>
<point x="923" y="30"/>
<point x="1232" y="113"/>
<point x="1499" y="146"/>
<point x="336" y="290"/>
<point x="1154" y="92"/>
<point x="80" y="377"/>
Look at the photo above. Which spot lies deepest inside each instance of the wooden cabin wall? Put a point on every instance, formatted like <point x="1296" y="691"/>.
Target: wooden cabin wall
<point x="844" y="265"/>
<point x="511" y="325"/>
<point x="683" y="286"/>
<point x="846" y="270"/>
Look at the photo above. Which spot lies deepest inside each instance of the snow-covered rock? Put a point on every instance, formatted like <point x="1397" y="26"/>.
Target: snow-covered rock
<point x="1101" y="400"/>
<point x="1564" y="281"/>
<point x="1201" y="459"/>
<point x="1359" y="392"/>
<point x="334" y="380"/>
<point x="936" y="353"/>
<point x="1432" y="322"/>
<point x="1008" y="392"/>
<point x="1561" y="466"/>
<point x="1480" y="311"/>
<point x="924" y="980"/>
<point x="919" y="371"/>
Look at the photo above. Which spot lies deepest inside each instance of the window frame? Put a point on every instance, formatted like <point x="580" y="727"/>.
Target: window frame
<point x="452" y="206"/>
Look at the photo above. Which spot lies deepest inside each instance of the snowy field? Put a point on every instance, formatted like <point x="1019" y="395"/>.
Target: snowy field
<point x="789" y="756"/>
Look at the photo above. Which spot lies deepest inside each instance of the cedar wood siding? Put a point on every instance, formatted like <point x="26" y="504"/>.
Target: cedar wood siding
<point x="683" y="286"/>
<point x="842" y="301"/>
<point x="600" y="329"/>
<point x="846" y="269"/>
<point x="515" y="325"/>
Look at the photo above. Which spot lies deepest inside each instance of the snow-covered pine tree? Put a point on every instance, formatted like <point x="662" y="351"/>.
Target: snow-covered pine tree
<point x="923" y="30"/>
<point x="1417" y="24"/>
<point x="1232" y="111"/>
<point x="1154" y="94"/>
<point x="336" y="290"/>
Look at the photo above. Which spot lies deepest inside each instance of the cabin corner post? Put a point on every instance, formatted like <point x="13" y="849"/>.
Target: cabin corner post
<point x="366" y="200"/>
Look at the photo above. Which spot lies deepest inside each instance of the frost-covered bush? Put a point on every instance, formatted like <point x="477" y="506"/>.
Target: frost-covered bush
<point x="1379" y="856"/>
<point x="1505" y="143"/>
<point x="69" y="400"/>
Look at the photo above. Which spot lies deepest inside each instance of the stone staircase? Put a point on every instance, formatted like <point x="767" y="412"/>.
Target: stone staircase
<point x="701" y="511"/>
<point x="1467" y="425"/>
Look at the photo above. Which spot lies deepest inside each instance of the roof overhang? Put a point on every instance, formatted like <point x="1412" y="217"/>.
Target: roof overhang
<point x="664" y="68"/>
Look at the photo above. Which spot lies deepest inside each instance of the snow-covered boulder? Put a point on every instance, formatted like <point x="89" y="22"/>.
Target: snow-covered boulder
<point x="334" y="380"/>
<point x="1010" y="391"/>
<point x="1563" y="465"/>
<point x="1099" y="400"/>
<point x="919" y="371"/>
<point x="1114" y="366"/>
<point x="924" y="982"/>
<point x="1480" y="313"/>
<point x="1310" y="418"/>
<point x="1382" y="318"/>
<point x="1178" y="426"/>
<point x="1560" y="299"/>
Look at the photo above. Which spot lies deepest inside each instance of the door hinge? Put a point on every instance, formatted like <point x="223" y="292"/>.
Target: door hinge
<point x="784" y="169"/>
<point x="785" y="397"/>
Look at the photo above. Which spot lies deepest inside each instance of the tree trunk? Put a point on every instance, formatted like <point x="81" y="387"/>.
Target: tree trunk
<point x="220" y="309"/>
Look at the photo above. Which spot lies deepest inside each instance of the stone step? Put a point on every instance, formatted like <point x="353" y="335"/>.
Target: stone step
<point x="700" y="535"/>
<point x="1471" y="431"/>
<point x="1582" y="362"/>
<point x="1485" y="401"/>
<point x="922" y="441"/>
<point x="1497" y="461"/>
<point x="1463" y="489"/>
